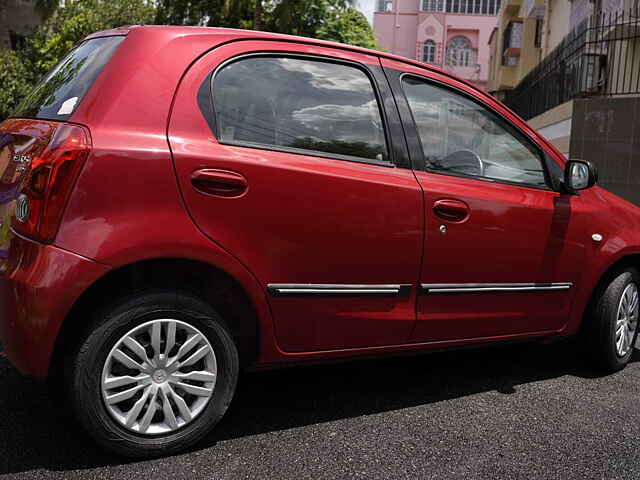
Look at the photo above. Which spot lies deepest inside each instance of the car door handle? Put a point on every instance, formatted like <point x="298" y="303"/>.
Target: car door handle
<point x="451" y="210"/>
<point x="221" y="183"/>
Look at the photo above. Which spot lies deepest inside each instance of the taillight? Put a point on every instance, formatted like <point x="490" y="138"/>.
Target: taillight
<point x="47" y="187"/>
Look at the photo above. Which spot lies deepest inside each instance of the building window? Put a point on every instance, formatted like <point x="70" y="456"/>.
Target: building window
<point x="459" y="52"/>
<point x="385" y="6"/>
<point x="511" y="43"/>
<point x="466" y="7"/>
<point x="433" y="5"/>
<point x="429" y="52"/>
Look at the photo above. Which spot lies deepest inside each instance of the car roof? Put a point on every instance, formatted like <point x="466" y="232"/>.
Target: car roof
<point x="174" y="31"/>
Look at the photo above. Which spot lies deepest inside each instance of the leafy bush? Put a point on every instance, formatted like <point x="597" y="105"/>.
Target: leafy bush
<point x="16" y="78"/>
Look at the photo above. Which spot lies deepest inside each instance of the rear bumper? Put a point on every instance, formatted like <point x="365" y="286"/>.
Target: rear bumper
<point x="38" y="286"/>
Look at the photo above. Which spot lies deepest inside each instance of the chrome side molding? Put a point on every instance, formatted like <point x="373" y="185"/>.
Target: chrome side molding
<point x="434" y="288"/>
<point x="306" y="289"/>
<point x="311" y="289"/>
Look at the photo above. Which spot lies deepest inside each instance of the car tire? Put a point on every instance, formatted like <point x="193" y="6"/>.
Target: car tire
<point x="98" y="355"/>
<point x="610" y="307"/>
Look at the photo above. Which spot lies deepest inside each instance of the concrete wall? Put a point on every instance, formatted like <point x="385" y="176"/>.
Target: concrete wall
<point x="556" y="22"/>
<point x="396" y="33"/>
<point x="556" y="125"/>
<point x="530" y="56"/>
<point x="606" y="131"/>
<point x="580" y="10"/>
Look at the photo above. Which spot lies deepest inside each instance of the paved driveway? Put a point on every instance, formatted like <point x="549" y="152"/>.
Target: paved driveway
<point x="526" y="411"/>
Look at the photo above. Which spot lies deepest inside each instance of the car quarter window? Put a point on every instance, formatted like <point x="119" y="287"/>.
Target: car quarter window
<point x="301" y="104"/>
<point x="461" y="137"/>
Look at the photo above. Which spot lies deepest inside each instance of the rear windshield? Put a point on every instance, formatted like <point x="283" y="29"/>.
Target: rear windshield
<point x="60" y="92"/>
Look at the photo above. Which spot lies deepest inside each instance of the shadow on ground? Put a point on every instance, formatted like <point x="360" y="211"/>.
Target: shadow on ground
<point x="35" y="434"/>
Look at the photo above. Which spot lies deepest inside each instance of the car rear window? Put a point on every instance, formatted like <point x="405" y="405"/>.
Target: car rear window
<point x="60" y="92"/>
<point x="299" y="105"/>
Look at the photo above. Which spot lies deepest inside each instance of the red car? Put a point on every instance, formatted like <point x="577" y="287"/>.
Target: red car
<point x="180" y="204"/>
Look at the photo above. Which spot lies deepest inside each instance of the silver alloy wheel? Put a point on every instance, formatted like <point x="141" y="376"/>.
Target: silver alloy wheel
<point x="627" y="319"/>
<point x="159" y="377"/>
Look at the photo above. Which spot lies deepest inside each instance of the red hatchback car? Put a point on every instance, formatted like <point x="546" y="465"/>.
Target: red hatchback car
<point x="179" y="204"/>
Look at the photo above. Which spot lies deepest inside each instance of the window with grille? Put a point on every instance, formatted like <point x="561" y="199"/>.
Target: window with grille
<point x="429" y="52"/>
<point x="433" y="5"/>
<point x="511" y="43"/>
<point x="467" y="7"/>
<point x="460" y="53"/>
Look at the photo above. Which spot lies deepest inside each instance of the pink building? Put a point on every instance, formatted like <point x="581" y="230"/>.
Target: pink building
<point x="452" y="34"/>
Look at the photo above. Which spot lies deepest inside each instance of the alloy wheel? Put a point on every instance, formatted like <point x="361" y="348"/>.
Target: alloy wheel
<point x="627" y="319"/>
<point x="159" y="377"/>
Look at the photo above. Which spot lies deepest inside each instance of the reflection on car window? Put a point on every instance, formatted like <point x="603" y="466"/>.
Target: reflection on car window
<point x="301" y="104"/>
<point x="460" y="136"/>
<point x="60" y="92"/>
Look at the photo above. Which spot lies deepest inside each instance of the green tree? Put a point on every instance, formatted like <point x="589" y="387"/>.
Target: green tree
<point x="78" y="18"/>
<point x="46" y="7"/>
<point x="211" y="13"/>
<point x="335" y="20"/>
<point x="303" y="17"/>
<point x="69" y="21"/>
<point x="16" y="78"/>
<point x="348" y="26"/>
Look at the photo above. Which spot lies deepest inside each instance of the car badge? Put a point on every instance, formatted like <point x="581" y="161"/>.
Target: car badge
<point x="23" y="162"/>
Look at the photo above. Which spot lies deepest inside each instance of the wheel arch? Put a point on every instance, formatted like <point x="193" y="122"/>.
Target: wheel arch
<point x="214" y="285"/>
<point x="625" y="261"/>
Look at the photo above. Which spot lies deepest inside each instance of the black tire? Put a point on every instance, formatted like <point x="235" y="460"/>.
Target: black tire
<point x="110" y="325"/>
<point x="602" y="318"/>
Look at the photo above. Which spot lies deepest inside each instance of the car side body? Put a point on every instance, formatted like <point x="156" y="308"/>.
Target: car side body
<point x="141" y="217"/>
<point x="307" y="256"/>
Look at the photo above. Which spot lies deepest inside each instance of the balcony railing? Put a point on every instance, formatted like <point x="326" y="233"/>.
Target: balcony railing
<point x="600" y="57"/>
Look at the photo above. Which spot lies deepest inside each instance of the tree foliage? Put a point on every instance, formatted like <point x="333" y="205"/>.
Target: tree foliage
<point x="210" y="13"/>
<point x="77" y="19"/>
<point x="350" y="27"/>
<point x="324" y="19"/>
<point x="303" y="18"/>
<point x="16" y="78"/>
<point x="69" y="21"/>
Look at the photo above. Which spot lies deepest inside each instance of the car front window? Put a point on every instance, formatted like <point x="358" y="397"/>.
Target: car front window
<point x="460" y="136"/>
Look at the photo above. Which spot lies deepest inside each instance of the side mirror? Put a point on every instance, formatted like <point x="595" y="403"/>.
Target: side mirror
<point x="579" y="175"/>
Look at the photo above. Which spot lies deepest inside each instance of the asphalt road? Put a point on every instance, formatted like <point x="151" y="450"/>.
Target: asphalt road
<point x="525" y="411"/>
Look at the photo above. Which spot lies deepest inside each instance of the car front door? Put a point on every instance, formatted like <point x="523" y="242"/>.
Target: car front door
<point x="286" y="157"/>
<point x="503" y="249"/>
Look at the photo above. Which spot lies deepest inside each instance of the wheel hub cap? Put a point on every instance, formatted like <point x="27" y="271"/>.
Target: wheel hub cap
<point x="159" y="377"/>
<point x="627" y="319"/>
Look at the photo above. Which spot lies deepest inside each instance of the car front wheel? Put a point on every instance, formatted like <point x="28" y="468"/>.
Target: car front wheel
<point x="154" y="375"/>
<point x="613" y="325"/>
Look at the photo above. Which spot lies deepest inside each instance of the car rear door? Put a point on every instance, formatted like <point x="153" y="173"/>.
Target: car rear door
<point x="287" y="158"/>
<point x="503" y="250"/>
